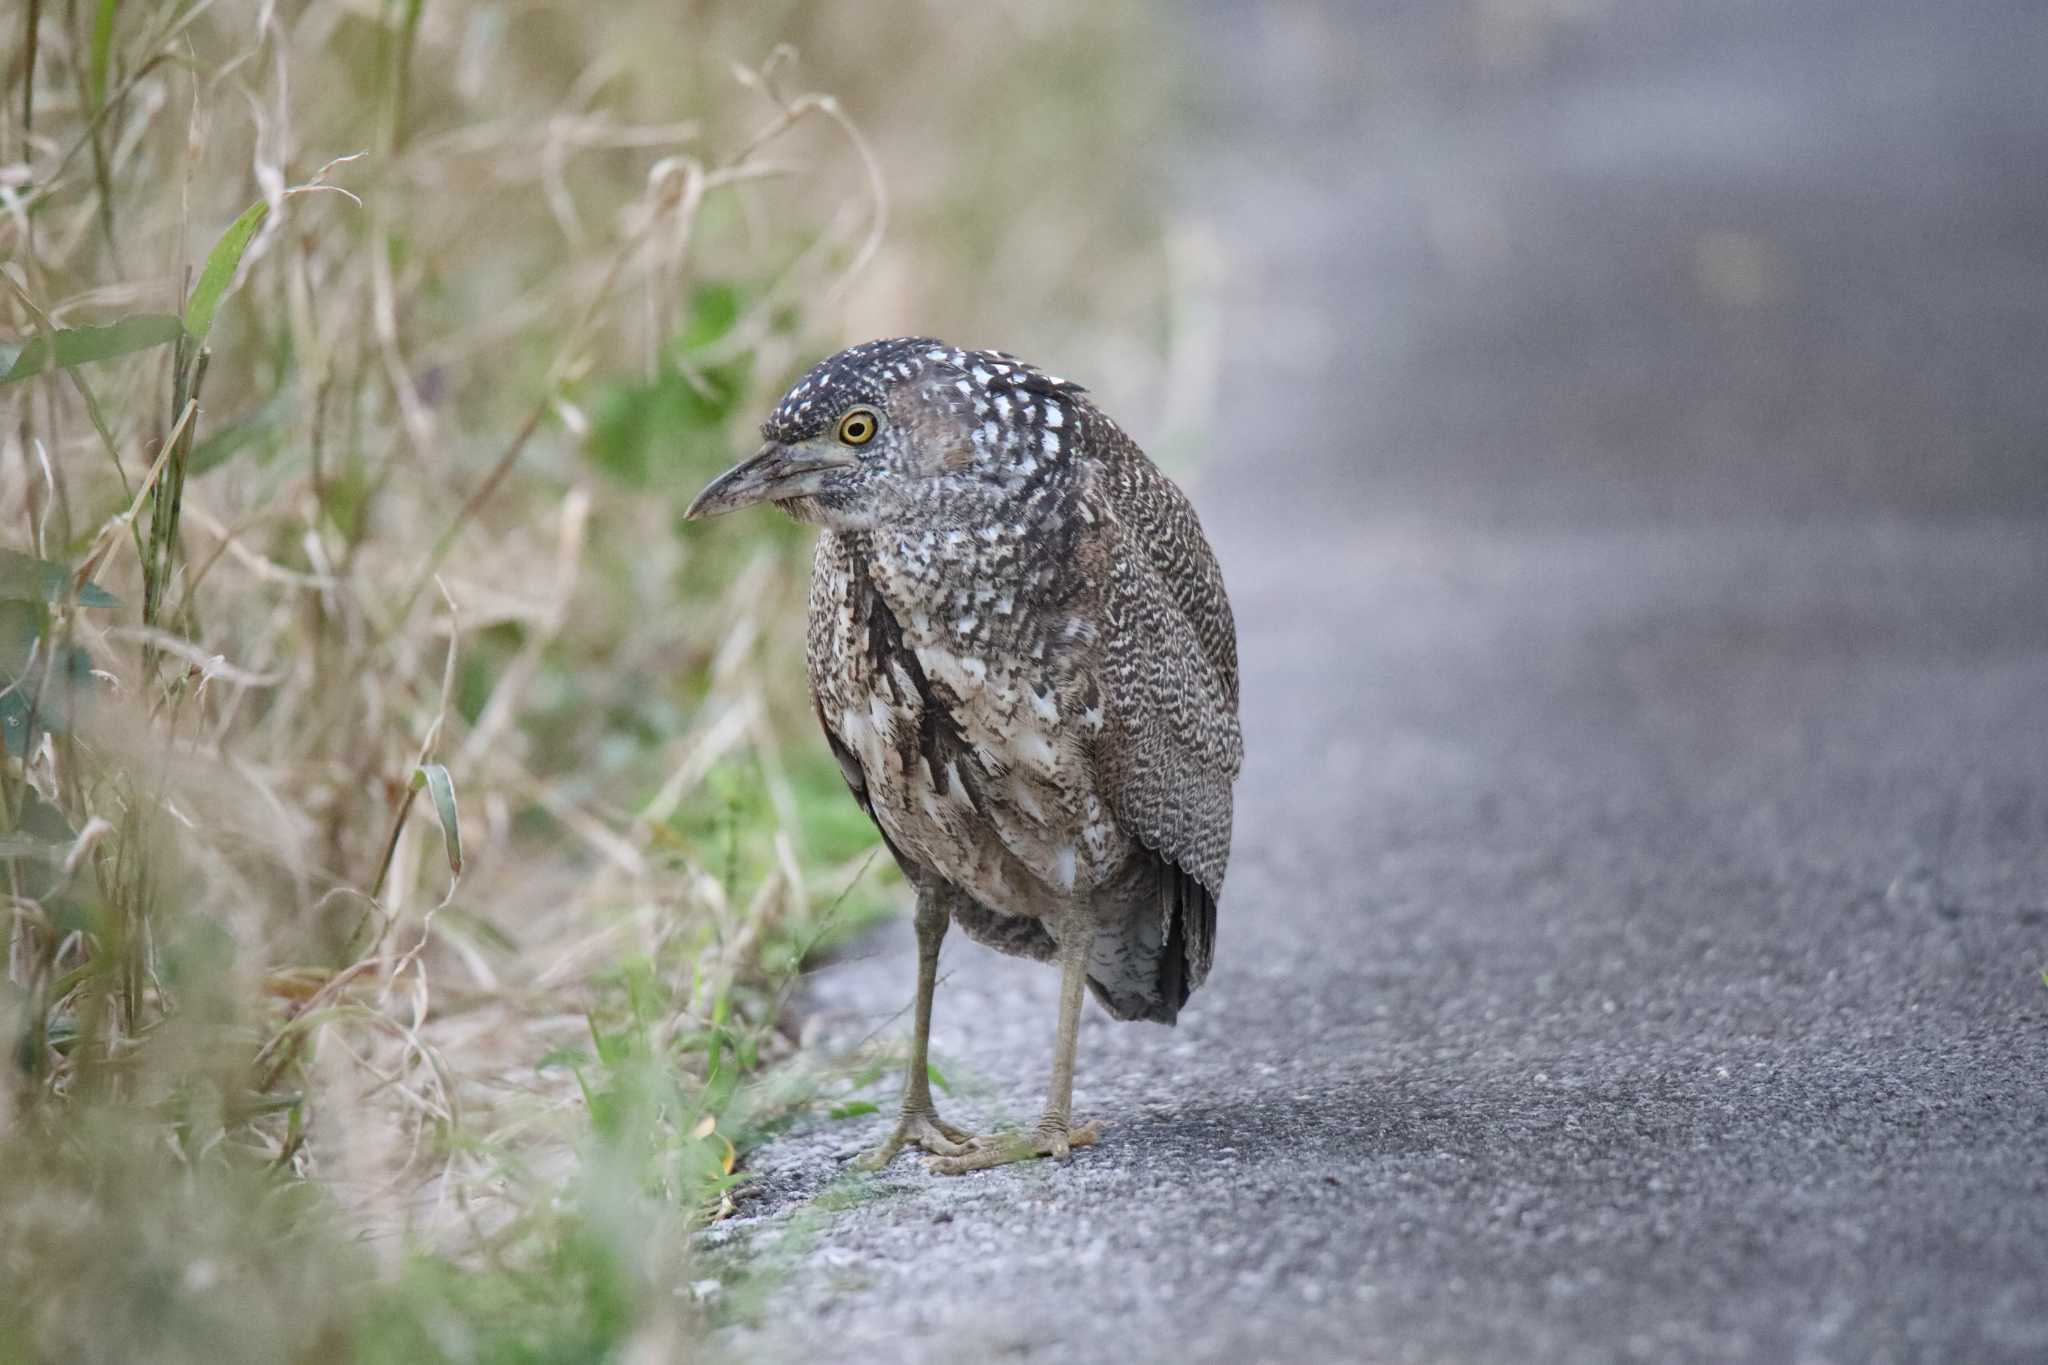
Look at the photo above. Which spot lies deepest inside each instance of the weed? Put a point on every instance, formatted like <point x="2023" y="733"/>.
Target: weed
<point x="410" y="828"/>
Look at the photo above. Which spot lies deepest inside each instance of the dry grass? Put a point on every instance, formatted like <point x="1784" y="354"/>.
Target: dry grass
<point x="385" y="487"/>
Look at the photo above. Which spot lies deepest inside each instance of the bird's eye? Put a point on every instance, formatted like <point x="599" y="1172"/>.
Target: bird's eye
<point x="858" y="427"/>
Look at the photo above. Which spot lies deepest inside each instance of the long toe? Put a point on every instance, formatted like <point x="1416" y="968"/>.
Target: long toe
<point x="959" y="1137"/>
<point x="921" y="1129"/>
<point x="1001" y="1149"/>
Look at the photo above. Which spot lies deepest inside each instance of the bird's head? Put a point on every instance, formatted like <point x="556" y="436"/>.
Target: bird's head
<point x="904" y="431"/>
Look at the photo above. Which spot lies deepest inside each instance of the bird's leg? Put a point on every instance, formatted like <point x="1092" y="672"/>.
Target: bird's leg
<point x="919" y="1124"/>
<point x="1055" y="1136"/>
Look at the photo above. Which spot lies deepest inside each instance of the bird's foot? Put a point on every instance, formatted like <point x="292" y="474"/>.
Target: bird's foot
<point x="1000" y="1149"/>
<point x="921" y="1128"/>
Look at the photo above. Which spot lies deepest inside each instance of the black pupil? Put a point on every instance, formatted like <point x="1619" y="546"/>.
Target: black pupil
<point x="857" y="428"/>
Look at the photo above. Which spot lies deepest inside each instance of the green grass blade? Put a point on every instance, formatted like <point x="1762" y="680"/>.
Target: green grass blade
<point x="441" y="787"/>
<point x="219" y="272"/>
<point x="102" y="53"/>
<point x="70" y="346"/>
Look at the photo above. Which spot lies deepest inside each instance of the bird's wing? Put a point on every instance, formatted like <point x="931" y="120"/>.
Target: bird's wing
<point x="831" y="641"/>
<point x="1170" y="747"/>
<point x="856" y="779"/>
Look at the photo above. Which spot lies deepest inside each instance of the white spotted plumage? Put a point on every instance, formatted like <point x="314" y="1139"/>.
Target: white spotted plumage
<point x="1025" y="661"/>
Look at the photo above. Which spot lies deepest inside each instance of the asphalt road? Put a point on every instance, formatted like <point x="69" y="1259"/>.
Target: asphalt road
<point x="1633" y="493"/>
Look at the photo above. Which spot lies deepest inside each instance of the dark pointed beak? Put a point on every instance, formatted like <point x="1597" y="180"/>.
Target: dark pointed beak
<point x="774" y="473"/>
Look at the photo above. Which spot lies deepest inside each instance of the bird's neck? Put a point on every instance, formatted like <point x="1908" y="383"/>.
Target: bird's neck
<point x="996" y="586"/>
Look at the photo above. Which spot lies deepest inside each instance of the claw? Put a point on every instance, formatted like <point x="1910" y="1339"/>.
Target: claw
<point x="921" y="1128"/>
<point x="1002" y="1149"/>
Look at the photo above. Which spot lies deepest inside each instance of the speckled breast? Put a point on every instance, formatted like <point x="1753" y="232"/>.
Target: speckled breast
<point x="975" y="755"/>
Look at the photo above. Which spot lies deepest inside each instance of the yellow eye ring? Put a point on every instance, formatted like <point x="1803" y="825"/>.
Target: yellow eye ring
<point x="858" y="427"/>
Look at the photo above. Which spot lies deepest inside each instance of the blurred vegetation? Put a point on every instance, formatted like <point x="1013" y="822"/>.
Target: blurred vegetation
<point x="410" y="827"/>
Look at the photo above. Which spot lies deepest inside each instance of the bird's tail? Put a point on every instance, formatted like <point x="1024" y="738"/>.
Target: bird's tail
<point x="1187" y="914"/>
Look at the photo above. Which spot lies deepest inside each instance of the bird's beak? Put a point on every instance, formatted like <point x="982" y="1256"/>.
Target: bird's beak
<point x="775" y="473"/>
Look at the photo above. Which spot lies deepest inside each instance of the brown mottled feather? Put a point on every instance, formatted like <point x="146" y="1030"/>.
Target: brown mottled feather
<point x="1029" y="677"/>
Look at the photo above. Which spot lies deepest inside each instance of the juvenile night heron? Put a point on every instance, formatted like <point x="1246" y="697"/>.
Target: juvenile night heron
<point x="1024" y="661"/>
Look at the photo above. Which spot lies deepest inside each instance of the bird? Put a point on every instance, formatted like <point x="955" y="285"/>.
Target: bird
<point x="1024" y="660"/>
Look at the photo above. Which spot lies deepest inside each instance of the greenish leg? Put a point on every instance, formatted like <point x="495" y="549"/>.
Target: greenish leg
<point x="1055" y="1136"/>
<point x="919" y="1124"/>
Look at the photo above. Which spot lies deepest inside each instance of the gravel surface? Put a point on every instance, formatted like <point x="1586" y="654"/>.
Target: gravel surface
<point x="1634" y="504"/>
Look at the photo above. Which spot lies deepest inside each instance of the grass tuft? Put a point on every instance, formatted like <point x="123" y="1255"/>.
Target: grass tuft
<point x="376" y="493"/>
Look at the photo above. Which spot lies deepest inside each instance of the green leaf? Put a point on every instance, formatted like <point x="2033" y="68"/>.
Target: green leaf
<point x="853" y="1110"/>
<point x="102" y="50"/>
<point x="714" y="308"/>
<point x="68" y="346"/>
<point x="24" y="578"/>
<point x="612" y="1048"/>
<point x="24" y="625"/>
<point x="571" y="1057"/>
<point x="639" y="429"/>
<point x="219" y="272"/>
<point x="937" y="1078"/>
<point x="54" y="713"/>
<point x="15" y="735"/>
<point x="434" y="777"/>
<point x="38" y="846"/>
